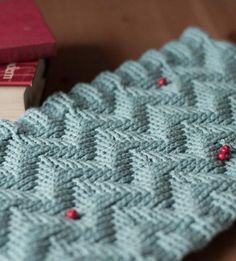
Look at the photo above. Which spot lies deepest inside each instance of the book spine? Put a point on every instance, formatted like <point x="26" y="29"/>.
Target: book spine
<point x="27" y="53"/>
<point x="18" y="74"/>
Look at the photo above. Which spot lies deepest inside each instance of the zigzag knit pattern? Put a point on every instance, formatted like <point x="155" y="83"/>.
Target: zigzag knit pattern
<point x="135" y="160"/>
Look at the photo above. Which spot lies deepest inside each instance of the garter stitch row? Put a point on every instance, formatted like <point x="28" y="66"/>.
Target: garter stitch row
<point x="133" y="159"/>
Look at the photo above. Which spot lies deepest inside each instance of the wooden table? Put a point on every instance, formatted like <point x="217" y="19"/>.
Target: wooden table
<point x="93" y="36"/>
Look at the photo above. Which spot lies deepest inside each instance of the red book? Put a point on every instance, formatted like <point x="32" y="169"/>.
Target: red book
<point x="24" y="35"/>
<point x="18" y="74"/>
<point x="21" y="87"/>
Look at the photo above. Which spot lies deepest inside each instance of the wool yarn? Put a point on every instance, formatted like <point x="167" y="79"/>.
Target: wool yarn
<point x="136" y="160"/>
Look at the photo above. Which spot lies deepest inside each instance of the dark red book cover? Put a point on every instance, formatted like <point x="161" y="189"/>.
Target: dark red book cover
<point x="24" y="35"/>
<point x="18" y="74"/>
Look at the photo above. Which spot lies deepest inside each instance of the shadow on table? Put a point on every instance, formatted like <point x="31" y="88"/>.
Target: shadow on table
<point x="78" y="64"/>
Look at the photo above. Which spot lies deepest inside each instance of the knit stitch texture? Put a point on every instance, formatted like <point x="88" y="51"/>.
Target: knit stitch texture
<point x="135" y="160"/>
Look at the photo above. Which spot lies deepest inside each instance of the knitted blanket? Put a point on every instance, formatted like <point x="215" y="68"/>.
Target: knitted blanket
<point x="134" y="153"/>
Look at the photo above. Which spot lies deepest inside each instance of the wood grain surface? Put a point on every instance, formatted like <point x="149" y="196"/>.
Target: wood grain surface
<point x="97" y="35"/>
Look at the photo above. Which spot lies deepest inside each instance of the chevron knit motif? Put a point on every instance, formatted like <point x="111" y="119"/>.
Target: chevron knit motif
<point x="135" y="160"/>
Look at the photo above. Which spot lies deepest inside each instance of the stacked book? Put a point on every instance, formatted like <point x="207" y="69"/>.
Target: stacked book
<point x="25" y="45"/>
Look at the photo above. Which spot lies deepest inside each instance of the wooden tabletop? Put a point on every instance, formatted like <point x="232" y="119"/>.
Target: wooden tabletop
<point x="93" y="36"/>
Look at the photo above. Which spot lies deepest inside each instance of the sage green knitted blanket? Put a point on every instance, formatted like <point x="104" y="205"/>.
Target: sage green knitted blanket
<point x="136" y="160"/>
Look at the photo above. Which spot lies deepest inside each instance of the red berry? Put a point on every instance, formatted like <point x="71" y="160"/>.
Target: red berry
<point x="225" y="149"/>
<point x="72" y="214"/>
<point x="223" y="156"/>
<point x="162" y="81"/>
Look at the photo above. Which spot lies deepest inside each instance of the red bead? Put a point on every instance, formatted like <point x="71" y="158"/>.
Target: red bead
<point x="225" y="149"/>
<point x="223" y="156"/>
<point x="72" y="214"/>
<point x="162" y="81"/>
